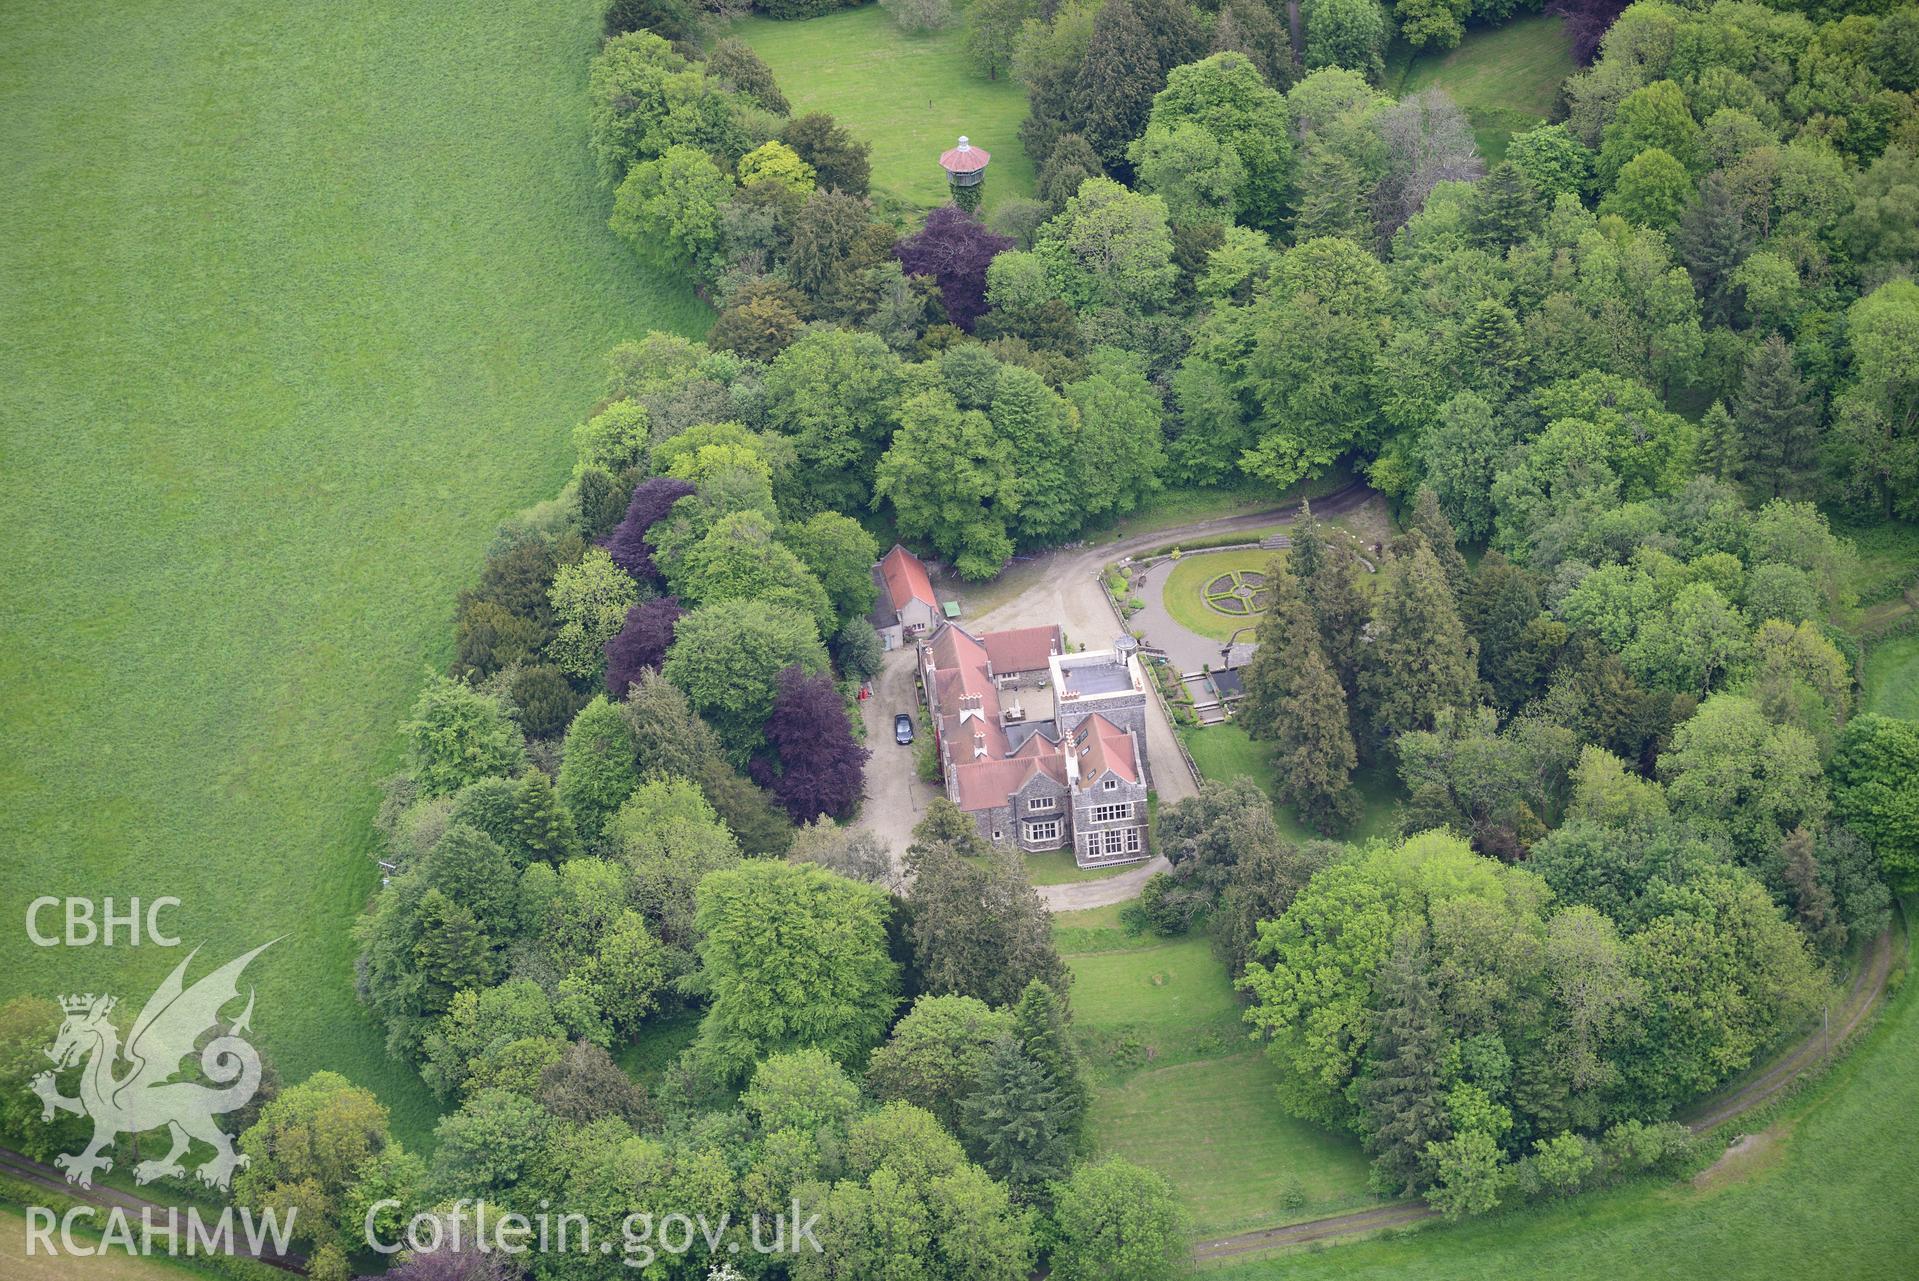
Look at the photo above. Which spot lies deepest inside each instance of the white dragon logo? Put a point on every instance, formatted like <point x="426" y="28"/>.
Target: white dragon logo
<point x="143" y="1098"/>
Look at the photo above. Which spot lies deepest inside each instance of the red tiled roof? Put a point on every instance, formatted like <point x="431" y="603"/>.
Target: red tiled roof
<point x="1022" y="649"/>
<point x="959" y="673"/>
<point x="1104" y="746"/>
<point x="960" y="680"/>
<point x="906" y="580"/>
<point x="964" y="158"/>
<point x="986" y="783"/>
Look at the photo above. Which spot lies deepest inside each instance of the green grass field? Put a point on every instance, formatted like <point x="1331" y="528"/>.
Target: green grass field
<point x="16" y="1265"/>
<point x="1180" y="1089"/>
<point x="1185" y="588"/>
<point x="1892" y="677"/>
<point x="1835" y="1201"/>
<point x="1505" y="78"/>
<point x="300" y="302"/>
<point x="910" y="96"/>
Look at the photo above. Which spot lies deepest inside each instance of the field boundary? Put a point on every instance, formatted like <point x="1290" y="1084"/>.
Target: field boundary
<point x="1779" y="1077"/>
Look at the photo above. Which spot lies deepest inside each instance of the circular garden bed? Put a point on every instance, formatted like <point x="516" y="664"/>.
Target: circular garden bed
<point x="1237" y="592"/>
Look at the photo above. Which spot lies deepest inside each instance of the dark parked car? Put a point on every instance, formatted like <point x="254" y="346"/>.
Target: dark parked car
<point x="902" y="729"/>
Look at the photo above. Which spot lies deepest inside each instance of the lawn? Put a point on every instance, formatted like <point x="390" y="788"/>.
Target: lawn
<point x="1226" y="752"/>
<point x="910" y="96"/>
<point x="1892" y="677"/>
<point x="301" y="301"/>
<point x="1506" y="78"/>
<point x="1836" y="1203"/>
<point x="1180" y="1089"/>
<point x="1056" y="867"/>
<point x="1186" y="588"/>
<point x="1214" y="1127"/>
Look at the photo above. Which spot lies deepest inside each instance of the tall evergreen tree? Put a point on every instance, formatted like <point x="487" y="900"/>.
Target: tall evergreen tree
<point x="453" y="954"/>
<point x="1722" y="453"/>
<point x="1177" y="35"/>
<point x="1501" y="609"/>
<point x="1712" y="241"/>
<point x="1429" y="519"/>
<point x="1325" y="574"/>
<point x="1492" y="349"/>
<point x="1011" y="1122"/>
<point x="1251" y="28"/>
<point x="1420" y="658"/>
<point x="1118" y="77"/>
<point x="1778" y="416"/>
<point x="1402" y="1094"/>
<point x="1070" y="162"/>
<point x="1293" y="700"/>
<point x="1039" y="1021"/>
<point x="1505" y="208"/>
<point x="1335" y="200"/>
<point x="540" y="823"/>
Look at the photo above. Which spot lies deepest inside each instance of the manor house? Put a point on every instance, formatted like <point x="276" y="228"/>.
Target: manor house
<point x="1043" y="748"/>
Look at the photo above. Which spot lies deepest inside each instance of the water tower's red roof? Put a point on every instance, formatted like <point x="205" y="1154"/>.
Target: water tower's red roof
<point x="965" y="158"/>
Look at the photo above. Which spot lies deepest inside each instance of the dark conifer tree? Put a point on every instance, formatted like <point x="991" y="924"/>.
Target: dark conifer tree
<point x="1500" y="608"/>
<point x="1420" y="659"/>
<point x="1070" y="162"/>
<point x="1402" y="1094"/>
<point x="1335" y="203"/>
<point x="1325" y="573"/>
<point x="1039" y="1021"/>
<point x="1429" y="519"/>
<point x="760" y="826"/>
<point x="1492" y="350"/>
<point x="453" y="953"/>
<point x="603" y="499"/>
<point x="1118" y="78"/>
<point x="1294" y="701"/>
<point x="840" y="161"/>
<point x="1011" y="1121"/>
<point x="541" y="824"/>
<point x="1177" y="33"/>
<point x="1809" y="895"/>
<point x="1250" y="27"/>
<point x="1722" y="454"/>
<point x="1712" y="241"/>
<point x="1778" y="417"/>
<point x="1505" y="209"/>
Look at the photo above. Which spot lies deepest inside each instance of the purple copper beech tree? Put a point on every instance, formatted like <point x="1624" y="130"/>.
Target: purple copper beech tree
<point x="816" y="767"/>
<point x="954" y="250"/>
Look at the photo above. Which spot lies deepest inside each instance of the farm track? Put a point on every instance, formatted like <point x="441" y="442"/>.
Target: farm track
<point x="35" y="1174"/>
<point x="1868" y="989"/>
